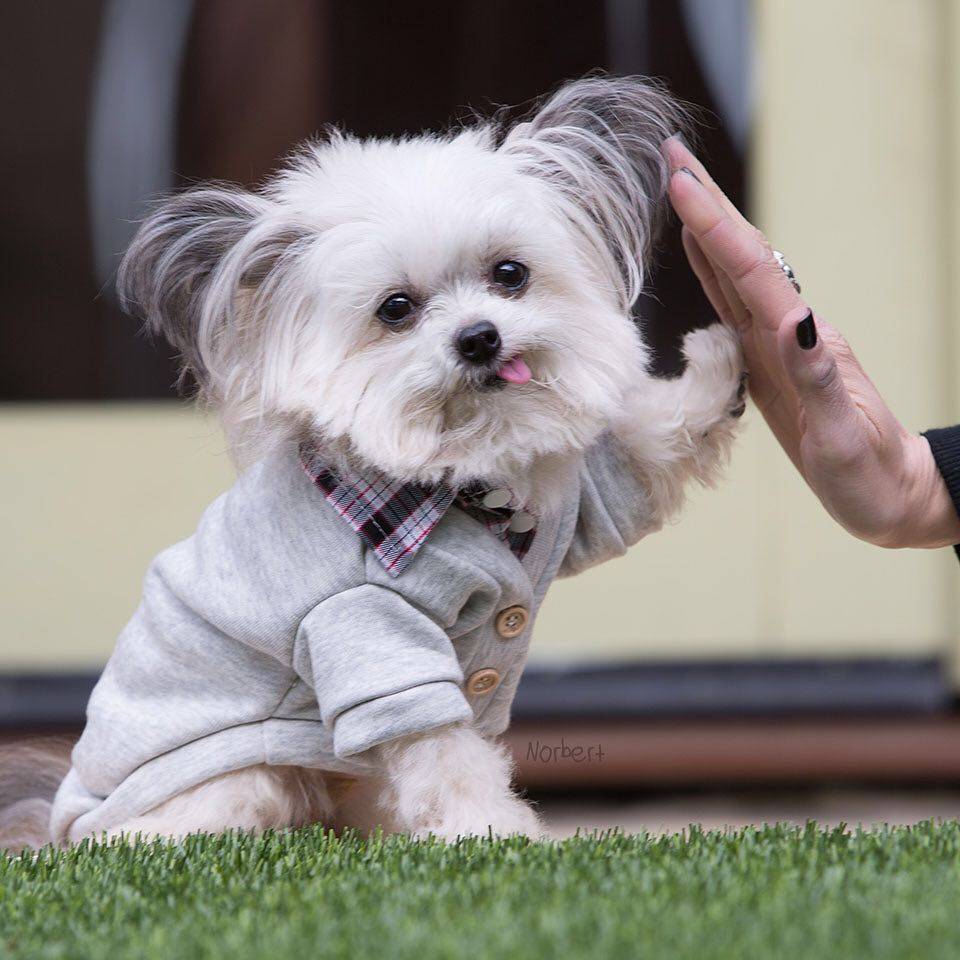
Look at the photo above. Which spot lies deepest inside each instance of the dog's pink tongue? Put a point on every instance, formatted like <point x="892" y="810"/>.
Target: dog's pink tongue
<point x="515" y="371"/>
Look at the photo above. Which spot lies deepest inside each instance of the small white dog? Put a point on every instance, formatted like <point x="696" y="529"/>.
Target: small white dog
<point x="405" y="337"/>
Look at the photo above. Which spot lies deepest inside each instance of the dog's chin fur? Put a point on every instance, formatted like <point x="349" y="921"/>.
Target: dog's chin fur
<point x="271" y="297"/>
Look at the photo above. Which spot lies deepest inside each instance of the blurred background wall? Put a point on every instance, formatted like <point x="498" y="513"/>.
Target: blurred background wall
<point x="835" y="122"/>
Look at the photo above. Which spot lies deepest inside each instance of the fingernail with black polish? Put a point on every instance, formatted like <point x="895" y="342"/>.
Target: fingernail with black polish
<point x="689" y="172"/>
<point x="807" y="332"/>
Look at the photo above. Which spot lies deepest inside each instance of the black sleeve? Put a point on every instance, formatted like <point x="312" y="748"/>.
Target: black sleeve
<point x="945" y="444"/>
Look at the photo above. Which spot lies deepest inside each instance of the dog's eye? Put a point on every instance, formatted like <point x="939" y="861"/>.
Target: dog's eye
<point x="510" y="274"/>
<point x="395" y="309"/>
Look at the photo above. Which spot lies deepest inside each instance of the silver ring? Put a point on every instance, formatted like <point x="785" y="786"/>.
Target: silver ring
<point x="787" y="269"/>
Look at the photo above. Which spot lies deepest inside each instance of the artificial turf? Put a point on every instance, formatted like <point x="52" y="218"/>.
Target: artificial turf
<point x="777" y="892"/>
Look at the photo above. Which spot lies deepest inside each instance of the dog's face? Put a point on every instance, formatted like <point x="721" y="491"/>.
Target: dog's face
<point x="458" y="326"/>
<point x="452" y="307"/>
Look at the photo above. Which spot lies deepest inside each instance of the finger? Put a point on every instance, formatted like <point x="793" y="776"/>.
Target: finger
<point x="763" y="366"/>
<point x="708" y="278"/>
<point x="741" y="314"/>
<point x="832" y="420"/>
<point x="777" y="403"/>
<point x="737" y="250"/>
<point x="679" y="155"/>
<point x="772" y="394"/>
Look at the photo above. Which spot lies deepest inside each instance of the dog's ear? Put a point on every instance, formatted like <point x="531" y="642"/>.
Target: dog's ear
<point x="597" y="142"/>
<point x="190" y="263"/>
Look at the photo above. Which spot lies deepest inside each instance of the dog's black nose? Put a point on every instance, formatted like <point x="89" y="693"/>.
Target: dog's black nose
<point x="478" y="343"/>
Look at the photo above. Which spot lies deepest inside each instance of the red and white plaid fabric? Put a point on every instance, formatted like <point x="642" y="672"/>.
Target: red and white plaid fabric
<point x="394" y="518"/>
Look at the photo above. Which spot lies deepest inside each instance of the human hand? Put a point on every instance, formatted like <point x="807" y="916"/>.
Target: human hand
<point x="874" y="477"/>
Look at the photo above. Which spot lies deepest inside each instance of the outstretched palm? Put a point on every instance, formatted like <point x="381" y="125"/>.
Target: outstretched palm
<point x="874" y="477"/>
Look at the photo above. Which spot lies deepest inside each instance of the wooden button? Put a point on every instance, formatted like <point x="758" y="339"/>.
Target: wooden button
<point x="511" y="622"/>
<point x="483" y="681"/>
<point x="522" y="522"/>
<point x="496" y="499"/>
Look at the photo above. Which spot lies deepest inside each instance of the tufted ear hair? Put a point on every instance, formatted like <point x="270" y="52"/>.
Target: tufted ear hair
<point x="189" y="264"/>
<point x="597" y="141"/>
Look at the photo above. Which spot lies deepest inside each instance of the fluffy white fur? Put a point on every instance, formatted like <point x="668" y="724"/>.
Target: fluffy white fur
<point x="271" y="298"/>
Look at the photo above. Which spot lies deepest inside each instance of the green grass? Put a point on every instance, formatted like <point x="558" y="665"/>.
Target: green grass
<point x="774" y="893"/>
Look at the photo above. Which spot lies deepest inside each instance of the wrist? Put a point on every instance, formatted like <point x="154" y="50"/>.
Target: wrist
<point x="930" y="515"/>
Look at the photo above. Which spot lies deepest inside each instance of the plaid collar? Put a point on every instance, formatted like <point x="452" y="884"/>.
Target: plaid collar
<point x="394" y="518"/>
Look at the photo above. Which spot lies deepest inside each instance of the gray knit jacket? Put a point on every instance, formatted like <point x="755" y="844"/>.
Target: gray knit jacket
<point x="273" y="635"/>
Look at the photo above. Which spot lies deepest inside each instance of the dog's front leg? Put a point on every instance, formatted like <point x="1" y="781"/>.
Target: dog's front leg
<point x="451" y="782"/>
<point x="712" y="389"/>
<point x="682" y="429"/>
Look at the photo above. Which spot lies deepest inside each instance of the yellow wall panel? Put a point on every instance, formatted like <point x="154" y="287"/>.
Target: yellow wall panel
<point x="855" y="176"/>
<point x="88" y="494"/>
<point x="853" y="117"/>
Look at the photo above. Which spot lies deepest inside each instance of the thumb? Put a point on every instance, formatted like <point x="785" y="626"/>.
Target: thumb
<point x="811" y="366"/>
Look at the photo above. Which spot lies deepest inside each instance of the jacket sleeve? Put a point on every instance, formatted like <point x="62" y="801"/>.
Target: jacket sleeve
<point x="380" y="667"/>
<point x="945" y="444"/>
<point x="614" y="510"/>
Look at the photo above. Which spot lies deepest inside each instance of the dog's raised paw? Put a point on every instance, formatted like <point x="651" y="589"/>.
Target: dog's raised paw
<point x="714" y="351"/>
<point x="715" y="367"/>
